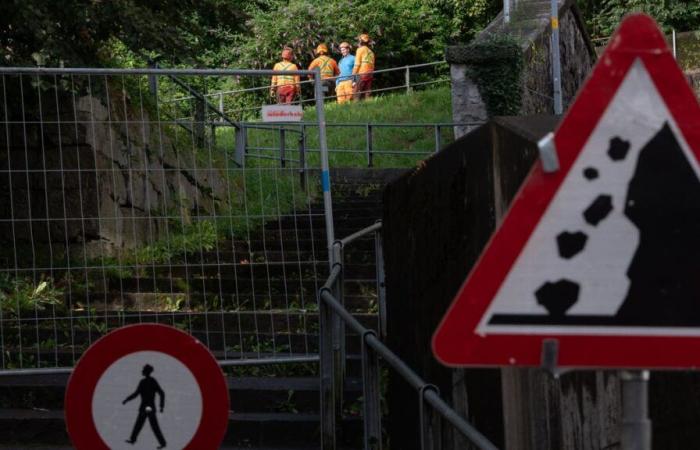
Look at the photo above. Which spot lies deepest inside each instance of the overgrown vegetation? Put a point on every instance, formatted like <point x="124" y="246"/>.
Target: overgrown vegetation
<point x="495" y="64"/>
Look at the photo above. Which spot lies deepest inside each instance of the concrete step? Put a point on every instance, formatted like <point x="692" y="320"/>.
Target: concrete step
<point x="21" y="427"/>
<point x="175" y="301"/>
<point x="247" y="394"/>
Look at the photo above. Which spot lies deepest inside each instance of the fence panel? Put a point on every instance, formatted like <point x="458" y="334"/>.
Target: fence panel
<point x="117" y="211"/>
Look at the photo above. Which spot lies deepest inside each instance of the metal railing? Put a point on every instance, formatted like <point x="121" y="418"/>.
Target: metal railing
<point x="333" y="320"/>
<point x="409" y="84"/>
<point x="278" y="149"/>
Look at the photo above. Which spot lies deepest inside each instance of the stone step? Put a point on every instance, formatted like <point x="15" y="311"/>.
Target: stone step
<point x="291" y="321"/>
<point x="346" y="220"/>
<point x="174" y="301"/>
<point x="254" y="269"/>
<point x="247" y="393"/>
<point x="229" y="285"/>
<point x="19" y="427"/>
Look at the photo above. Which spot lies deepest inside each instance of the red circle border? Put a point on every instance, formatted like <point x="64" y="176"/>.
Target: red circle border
<point x="147" y="337"/>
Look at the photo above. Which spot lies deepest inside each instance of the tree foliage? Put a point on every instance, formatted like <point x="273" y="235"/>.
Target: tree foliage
<point x="86" y="32"/>
<point x="603" y="16"/>
<point x="404" y="31"/>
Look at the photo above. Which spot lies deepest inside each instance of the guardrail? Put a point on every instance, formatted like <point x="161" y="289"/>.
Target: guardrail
<point x="332" y="342"/>
<point x="281" y="152"/>
<point x="408" y="85"/>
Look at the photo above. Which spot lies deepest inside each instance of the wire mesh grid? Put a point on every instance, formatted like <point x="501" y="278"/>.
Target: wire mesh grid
<point x="116" y="213"/>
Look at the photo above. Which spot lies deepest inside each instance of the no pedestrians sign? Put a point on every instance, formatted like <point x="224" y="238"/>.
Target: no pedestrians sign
<point x="602" y="255"/>
<point x="147" y="386"/>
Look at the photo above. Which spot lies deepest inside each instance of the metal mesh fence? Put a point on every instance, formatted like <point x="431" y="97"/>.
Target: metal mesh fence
<point x="116" y="212"/>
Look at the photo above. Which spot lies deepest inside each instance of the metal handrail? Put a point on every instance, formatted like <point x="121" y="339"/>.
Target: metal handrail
<point x="260" y="88"/>
<point x="244" y="150"/>
<point x="330" y="306"/>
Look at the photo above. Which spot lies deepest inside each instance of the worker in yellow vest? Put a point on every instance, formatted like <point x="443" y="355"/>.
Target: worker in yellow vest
<point x="363" y="68"/>
<point x="285" y="86"/>
<point x="327" y="65"/>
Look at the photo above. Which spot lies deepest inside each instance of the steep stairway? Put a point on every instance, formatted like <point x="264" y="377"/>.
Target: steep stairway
<point x="247" y="298"/>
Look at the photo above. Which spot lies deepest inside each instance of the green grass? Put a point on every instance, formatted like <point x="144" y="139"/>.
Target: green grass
<point x="391" y="146"/>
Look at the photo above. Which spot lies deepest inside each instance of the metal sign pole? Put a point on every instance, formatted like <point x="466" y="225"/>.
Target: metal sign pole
<point x="636" y="426"/>
<point x="325" y="172"/>
<point x="506" y="11"/>
<point x="556" y="64"/>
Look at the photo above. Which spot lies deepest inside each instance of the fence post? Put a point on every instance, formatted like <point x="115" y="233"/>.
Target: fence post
<point x="302" y="157"/>
<point x="282" y="146"/>
<point x="369" y="145"/>
<point x="240" y="149"/>
<point x="407" y="77"/>
<point x="381" y="284"/>
<point x="152" y="80"/>
<point x="370" y="392"/>
<point x="326" y="353"/>
<point x="199" y="125"/>
<point x="221" y="106"/>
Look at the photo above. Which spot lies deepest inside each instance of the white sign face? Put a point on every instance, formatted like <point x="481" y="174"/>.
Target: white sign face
<point x="282" y="113"/>
<point x="126" y="406"/>
<point x="589" y="240"/>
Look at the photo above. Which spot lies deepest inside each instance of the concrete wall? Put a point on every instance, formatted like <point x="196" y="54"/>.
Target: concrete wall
<point x="90" y="182"/>
<point x="530" y="25"/>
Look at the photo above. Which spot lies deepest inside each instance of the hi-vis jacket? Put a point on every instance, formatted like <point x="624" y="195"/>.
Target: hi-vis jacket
<point x="284" y="80"/>
<point x="329" y="68"/>
<point x="364" y="60"/>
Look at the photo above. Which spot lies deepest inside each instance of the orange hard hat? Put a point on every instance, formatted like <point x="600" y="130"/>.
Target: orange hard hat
<point x="364" y="38"/>
<point x="321" y="49"/>
<point x="346" y="45"/>
<point x="287" y="53"/>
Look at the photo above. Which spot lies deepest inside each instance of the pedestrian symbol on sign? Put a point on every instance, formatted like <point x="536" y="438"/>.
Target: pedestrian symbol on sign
<point x="147" y="389"/>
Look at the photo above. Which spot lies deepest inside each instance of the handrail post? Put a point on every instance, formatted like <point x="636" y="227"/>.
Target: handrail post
<point x="438" y="138"/>
<point x="371" y="393"/>
<point x="282" y="146"/>
<point x="429" y="439"/>
<point x="339" y="329"/>
<point x="327" y="374"/>
<point x="407" y="77"/>
<point x="369" y="144"/>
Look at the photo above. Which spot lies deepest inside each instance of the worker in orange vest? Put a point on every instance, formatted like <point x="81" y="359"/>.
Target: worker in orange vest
<point x="327" y="65"/>
<point x="285" y="86"/>
<point x="363" y="68"/>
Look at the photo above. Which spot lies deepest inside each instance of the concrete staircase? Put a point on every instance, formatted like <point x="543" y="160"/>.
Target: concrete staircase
<point x="261" y="297"/>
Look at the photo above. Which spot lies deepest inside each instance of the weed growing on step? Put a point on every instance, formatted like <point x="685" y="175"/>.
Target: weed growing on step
<point x="19" y="296"/>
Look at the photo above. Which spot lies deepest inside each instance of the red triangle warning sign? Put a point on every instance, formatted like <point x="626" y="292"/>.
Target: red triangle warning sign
<point x="602" y="255"/>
